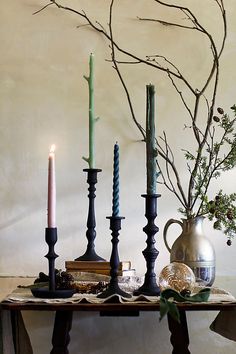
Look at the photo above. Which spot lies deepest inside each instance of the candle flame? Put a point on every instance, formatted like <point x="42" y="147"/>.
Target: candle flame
<point x="52" y="149"/>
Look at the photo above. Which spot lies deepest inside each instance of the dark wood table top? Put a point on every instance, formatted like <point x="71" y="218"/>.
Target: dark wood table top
<point x="114" y="307"/>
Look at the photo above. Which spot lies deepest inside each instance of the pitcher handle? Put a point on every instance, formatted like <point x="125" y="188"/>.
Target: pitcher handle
<point x="170" y="222"/>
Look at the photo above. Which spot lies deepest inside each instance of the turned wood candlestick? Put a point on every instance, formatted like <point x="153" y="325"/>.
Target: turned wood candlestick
<point x="150" y="287"/>
<point x="51" y="292"/>
<point x="113" y="286"/>
<point x="90" y="254"/>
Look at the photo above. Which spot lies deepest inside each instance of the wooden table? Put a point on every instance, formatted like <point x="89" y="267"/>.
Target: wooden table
<point x="63" y="318"/>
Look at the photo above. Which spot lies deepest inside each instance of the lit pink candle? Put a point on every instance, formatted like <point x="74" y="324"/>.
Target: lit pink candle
<point x="51" y="188"/>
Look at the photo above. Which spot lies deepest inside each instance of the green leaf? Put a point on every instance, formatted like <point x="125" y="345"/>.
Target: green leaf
<point x="173" y="311"/>
<point x="163" y="308"/>
<point x="170" y="307"/>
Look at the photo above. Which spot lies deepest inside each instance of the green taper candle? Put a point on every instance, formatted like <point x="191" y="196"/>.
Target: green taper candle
<point x="151" y="150"/>
<point x="92" y="119"/>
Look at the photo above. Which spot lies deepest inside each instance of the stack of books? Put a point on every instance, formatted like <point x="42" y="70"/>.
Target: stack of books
<point x="76" y="267"/>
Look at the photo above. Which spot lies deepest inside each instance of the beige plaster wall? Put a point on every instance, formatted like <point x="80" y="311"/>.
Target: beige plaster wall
<point x="44" y="100"/>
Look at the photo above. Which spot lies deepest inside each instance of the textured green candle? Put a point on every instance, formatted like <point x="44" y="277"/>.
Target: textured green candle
<point x="92" y="119"/>
<point x="115" y="194"/>
<point x="151" y="151"/>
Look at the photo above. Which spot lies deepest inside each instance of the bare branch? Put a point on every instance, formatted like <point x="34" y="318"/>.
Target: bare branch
<point x="221" y="6"/>
<point x="102" y="27"/>
<point x="123" y="62"/>
<point x="165" y="23"/>
<point x="181" y="97"/>
<point x="167" y="164"/>
<point x="43" y="8"/>
<point x="165" y="156"/>
<point x="120" y="76"/>
<point x="205" y="137"/>
<point x="152" y="57"/>
<point x="199" y="27"/>
<point x="84" y="25"/>
<point x="121" y="50"/>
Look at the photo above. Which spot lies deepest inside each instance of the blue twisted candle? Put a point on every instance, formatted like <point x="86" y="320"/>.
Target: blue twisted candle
<point x="115" y="195"/>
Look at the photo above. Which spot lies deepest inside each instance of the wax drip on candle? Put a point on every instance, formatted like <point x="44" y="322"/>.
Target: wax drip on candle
<point x="115" y="197"/>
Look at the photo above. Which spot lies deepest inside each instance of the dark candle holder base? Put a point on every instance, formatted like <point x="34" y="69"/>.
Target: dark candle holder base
<point x="90" y="254"/>
<point x="113" y="289"/>
<point x="45" y="293"/>
<point x="113" y="286"/>
<point x="51" y="292"/>
<point x="150" y="287"/>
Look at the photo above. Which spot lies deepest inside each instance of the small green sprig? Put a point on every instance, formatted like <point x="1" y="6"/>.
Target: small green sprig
<point x="170" y="297"/>
<point x="222" y="211"/>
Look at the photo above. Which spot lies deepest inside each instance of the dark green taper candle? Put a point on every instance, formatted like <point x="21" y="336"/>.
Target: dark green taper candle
<point x="115" y="195"/>
<point x="151" y="151"/>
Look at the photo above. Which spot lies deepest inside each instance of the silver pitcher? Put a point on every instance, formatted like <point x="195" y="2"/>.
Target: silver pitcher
<point x="193" y="248"/>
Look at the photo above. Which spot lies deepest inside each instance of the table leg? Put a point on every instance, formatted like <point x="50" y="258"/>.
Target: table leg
<point x="21" y="340"/>
<point x="179" y="334"/>
<point x="61" y="330"/>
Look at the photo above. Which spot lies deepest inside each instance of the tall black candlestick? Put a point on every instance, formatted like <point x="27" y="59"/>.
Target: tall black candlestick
<point x="150" y="287"/>
<point x="90" y="253"/>
<point x="115" y="226"/>
<point x="113" y="286"/>
<point x="51" y="292"/>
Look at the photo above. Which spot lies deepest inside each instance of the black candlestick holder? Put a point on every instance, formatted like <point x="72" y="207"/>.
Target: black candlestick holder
<point x="113" y="286"/>
<point x="150" y="287"/>
<point x="90" y="254"/>
<point x="51" y="292"/>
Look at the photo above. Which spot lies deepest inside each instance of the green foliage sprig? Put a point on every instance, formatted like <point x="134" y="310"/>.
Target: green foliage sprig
<point x="222" y="211"/>
<point x="219" y="156"/>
